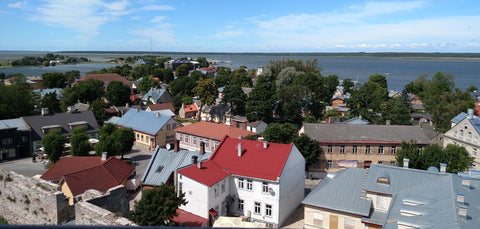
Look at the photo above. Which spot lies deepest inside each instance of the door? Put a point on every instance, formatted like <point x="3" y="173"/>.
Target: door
<point x="333" y="222"/>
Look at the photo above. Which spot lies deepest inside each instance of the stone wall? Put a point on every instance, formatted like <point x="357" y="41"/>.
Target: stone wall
<point x="26" y="200"/>
<point x="89" y="214"/>
<point x="115" y="200"/>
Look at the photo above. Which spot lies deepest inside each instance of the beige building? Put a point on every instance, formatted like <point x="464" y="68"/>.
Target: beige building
<point x="465" y="132"/>
<point x="393" y="197"/>
<point x="359" y="146"/>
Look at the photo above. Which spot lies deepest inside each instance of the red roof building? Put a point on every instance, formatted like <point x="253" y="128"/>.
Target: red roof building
<point x="209" y="133"/>
<point x="161" y="106"/>
<point x="266" y="179"/>
<point x="106" y="78"/>
<point x="188" y="111"/>
<point x="189" y="219"/>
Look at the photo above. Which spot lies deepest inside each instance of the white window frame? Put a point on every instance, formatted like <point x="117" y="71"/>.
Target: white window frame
<point x="268" y="210"/>
<point x="257" y="208"/>
<point x="329" y="164"/>
<point x="329" y="148"/>
<point x="265" y="187"/>
<point x="380" y="149"/>
<point x="249" y="185"/>
<point x="367" y="149"/>
<point x="393" y="150"/>
<point x="342" y="149"/>
<point x="240" y="203"/>
<point x="241" y="183"/>
<point x="355" y="149"/>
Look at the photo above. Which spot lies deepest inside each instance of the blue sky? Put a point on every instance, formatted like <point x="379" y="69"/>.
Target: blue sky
<point x="240" y="26"/>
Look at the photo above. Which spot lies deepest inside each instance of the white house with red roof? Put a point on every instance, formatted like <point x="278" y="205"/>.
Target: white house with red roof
<point x="260" y="180"/>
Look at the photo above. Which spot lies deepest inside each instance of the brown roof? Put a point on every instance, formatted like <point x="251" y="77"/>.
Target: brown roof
<point x="190" y="108"/>
<point x="162" y="106"/>
<point x="214" y="130"/>
<point x="83" y="173"/>
<point x="107" y="78"/>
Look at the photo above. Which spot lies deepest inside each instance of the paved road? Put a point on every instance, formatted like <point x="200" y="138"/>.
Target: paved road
<point x="24" y="166"/>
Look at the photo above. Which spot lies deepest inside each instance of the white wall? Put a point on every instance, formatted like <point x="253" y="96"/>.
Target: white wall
<point x="196" y="194"/>
<point x="292" y="184"/>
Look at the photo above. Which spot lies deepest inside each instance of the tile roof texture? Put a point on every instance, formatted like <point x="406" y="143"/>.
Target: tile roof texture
<point x="191" y="220"/>
<point x="190" y="108"/>
<point x="38" y="121"/>
<point x="161" y="106"/>
<point x="170" y="161"/>
<point x="107" y="78"/>
<point x="365" y="133"/>
<point x="213" y="130"/>
<point x="209" y="174"/>
<point x="143" y="121"/>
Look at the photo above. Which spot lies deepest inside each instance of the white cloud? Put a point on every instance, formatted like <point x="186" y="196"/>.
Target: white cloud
<point x="17" y="4"/>
<point x="161" y="34"/>
<point x="157" y="7"/>
<point x="157" y="19"/>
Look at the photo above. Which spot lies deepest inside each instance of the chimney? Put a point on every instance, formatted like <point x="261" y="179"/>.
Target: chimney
<point x="460" y="197"/>
<point x="176" y="145"/>
<point x="194" y="159"/>
<point x="126" y="105"/>
<point x="199" y="164"/>
<point x="466" y="182"/>
<point x="462" y="211"/>
<point x="265" y="144"/>
<point x="44" y="111"/>
<point x="239" y="148"/>
<point x="136" y="109"/>
<point x="387" y="122"/>
<point x="104" y="156"/>
<point x="470" y="113"/>
<point x="158" y="115"/>
<point x="405" y="162"/>
<point x="240" y="137"/>
<point x="443" y="167"/>
<point x="202" y="148"/>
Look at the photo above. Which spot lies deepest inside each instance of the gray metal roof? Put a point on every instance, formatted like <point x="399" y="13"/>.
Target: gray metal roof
<point x="63" y="119"/>
<point x="164" y="162"/>
<point x="459" y="117"/>
<point x="341" y="193"/>
<point x="144" y="121"/>
<point x="154" y="93"/>
<point x="365" y="133"/>
<point x="17" y="123"/>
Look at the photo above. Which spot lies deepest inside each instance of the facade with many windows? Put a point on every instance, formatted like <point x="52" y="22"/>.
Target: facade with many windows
<point x="260" y="180"/>
<point x="358" y="146"/>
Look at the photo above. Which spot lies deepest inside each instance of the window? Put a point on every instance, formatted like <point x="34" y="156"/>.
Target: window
<point x="186" y="138"/>
<point x="142" y="137"/>
<point x="258" y="208"/>
<point x="216" y="144"/>
<point x="367" y="149"/>
<point x="240" y="183"/>
<point x="329" y="148"/>
<point x="382" y="202"/>
<point x="215" y="191"/>
<point x="138" y="136"/>
<point x="380" y="149"/>
<point x="475" y="139"/>
<point x="393" y="150"/>
<point x="168" y="126"/>
<point x="342" y="149"/>
<point x="349" y="223"/>
<point x="174" y="126"/>
<point x="180" y="187"/>
<point x="240" y="204"/>
<point x="180" y="137"/>
<point x="354" y="149"/>
<point x="455" y="134"/>
<point x="469" y="136"/>
<point x="475" y="152"/>
<point x="316" y="165"/>
<point x="420" y="148"/>
<point x="194" y="140"/>
<point x="380" y="162"/>
<point x="268" y="210"/>
<point x="393" y="163"/>
<point x="222" y="187"/>
<point x="265" y="187"/>
<point x="317" y="219"/>
<point x="249" y="185"/>
<point x="24" y="138"/>
<point x="329" y="164"/>
<point x="206" y="143"/>
<point x="461" y="133"/>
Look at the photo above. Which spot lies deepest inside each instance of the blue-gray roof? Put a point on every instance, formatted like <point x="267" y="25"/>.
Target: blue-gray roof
<point x="459" y="117"/>
<point x="143" y="121"/>
<point x="341" y="193"/>
<point x="154" y="93"/>
<point x="475" y="123"/>
<point x="17" y="123"/>
<point x="164" y="162"/>
<point x="113" y="120"/>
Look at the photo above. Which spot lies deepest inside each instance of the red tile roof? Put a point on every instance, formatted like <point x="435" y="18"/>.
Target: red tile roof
<point x="209" y="174"/>
<point x="161" y="106"/>
<point x="213" y="130"/>
<point x="190" y="108"/>
<point x="107" y="78"/>
<point x="82" y="173"/>
<point x="256" y="161"/>
<point x="191" y="220"/>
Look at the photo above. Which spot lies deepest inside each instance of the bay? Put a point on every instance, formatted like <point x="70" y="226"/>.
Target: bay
<point x="398" y="70"/>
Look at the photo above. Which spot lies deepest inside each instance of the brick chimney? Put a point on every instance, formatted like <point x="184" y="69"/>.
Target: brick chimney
<point x="202" y="148"/>
<point x="176" y="145"/>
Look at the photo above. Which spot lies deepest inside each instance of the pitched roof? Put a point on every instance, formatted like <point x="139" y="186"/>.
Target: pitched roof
<point x="63" y="119"/>
<point x="191" y="220"/>
<point x="213" y="130"/>
<point x="256" y="161"/>
<point x="14" y="123"/>
<point x="190" y="108"/>
<point x="154" y="93"/>
<point x="365" y="133"/>
<point x="82" y="173"/>
<point x="164" y="162"/>
<point x="341" y="193"/>
<point x="209" y="174"/>
<point x="161" y="106"/>
<point x="107" y="78"/>
<point x="143" y="121"/>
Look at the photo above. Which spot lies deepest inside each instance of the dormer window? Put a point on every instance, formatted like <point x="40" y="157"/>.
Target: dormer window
<point x="384" y="179"/>
<point x="466" y="126"/>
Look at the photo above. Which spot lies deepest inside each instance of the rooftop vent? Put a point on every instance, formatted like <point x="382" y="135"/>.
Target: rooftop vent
<point x="239" y="148"/>
<point x="460" y="197"/>
<point x="443" y="167"/>
<point x="104" y="156"/>
<point x="265" y="144"/>
<point x="405" y="162"/>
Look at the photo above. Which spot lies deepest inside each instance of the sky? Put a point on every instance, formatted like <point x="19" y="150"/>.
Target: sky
<point x="240" y="26"/>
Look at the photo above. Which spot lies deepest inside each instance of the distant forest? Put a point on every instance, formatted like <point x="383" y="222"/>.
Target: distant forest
<point x="350" y="54"/>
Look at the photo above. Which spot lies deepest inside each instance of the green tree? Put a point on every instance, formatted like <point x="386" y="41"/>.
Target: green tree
<point x="54" y="80"/>
<point x="261" y="101"/>
<point x="410" y="151"/>
<point x="51" y="102"/>
<point x="203" y="62"/>
<point x="396" y="111"/>
<point x="126" y="138"/>
<point x="71" y="76"/>
<point x="223" y="76"/>
<point x="182" y="70"/>
<point x="98" y="107"/>
<point x="286" y="76"/>
<point x="146" y="83"/>
<point x="234" y="95"/>
<point x="54" y="144"/>
<point x="280" y="133"/>
<point x="87" y="91"/>
<point x="472" y="88"/>
<point x="79" y="144"/>
<point x="458" y="158"/>
<point x="348" y="85"/>
<point x="309" y="149"/>
<point x="168" y="75"/>
<point x="118" y="93"/>
<point x="182" y="86"/>
<point x="114" y="140"/>
<point x="206" y="91"/>
<point x="158" y="206"/>
<point x="290" y="103"/>
<point x="15" y="101"/>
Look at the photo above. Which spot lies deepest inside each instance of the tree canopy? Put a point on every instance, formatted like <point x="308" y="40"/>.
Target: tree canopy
<point x="261" y="101"/>
<point x="308" y="147"/>
<point x="51" y="102"/>
<point x="280" y="133"/>
<point x="158" y="206"/>
<point x="54" y="145"/>
<point x="79" y="144"/>
<point x="114" y="140"/>
<point x="118" y="94"/>
<point x="206" y="91"/>
<point x="233" y="94"/>
<point x="15" y="101"/>
<point x="54" y="80"/>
